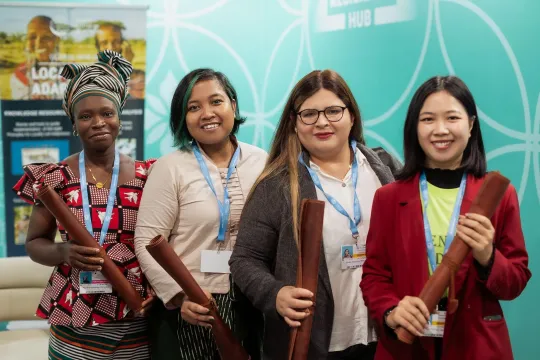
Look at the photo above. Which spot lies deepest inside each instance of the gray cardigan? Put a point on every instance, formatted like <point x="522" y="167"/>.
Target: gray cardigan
<point x="265" y="256"/>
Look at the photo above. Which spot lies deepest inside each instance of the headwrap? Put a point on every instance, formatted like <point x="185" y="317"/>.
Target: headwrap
<point x="108" y="78"/>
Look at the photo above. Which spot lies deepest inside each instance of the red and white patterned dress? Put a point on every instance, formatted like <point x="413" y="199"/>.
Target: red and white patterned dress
<point x="62" y="303"/>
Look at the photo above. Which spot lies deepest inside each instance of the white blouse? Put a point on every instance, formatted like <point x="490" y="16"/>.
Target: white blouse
<point x="351" y="325"/>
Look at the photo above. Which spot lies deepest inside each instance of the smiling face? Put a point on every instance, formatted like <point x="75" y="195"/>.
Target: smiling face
<point x="444" y="129"/>
<point x="210" y="113"/>
<point x="97" y="122"/>
<point x="324" y="138"/>
<point x="40" y="41"/>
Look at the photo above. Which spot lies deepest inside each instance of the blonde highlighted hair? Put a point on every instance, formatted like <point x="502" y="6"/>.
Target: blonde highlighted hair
<point x="286" y="146"/>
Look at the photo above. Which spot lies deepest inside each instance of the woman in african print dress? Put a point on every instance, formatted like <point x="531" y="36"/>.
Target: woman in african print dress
<point x="88" y="319"/>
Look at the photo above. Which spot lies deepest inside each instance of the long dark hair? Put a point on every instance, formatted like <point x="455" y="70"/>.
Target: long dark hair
<point x="474" y="157"/>
<point x="177" y="122"/>
<point x="286" y="146"/>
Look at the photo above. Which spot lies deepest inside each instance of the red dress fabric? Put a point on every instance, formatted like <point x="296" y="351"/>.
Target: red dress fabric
<point x="61" y="302"/>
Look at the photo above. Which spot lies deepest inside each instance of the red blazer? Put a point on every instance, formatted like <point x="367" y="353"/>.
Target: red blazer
<point x="397" y="266"/>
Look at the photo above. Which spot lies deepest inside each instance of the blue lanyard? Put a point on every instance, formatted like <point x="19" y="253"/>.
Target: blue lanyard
<point x="225" y="206"/>
<point x="110" y="199"/>
<point x="357" y="211"/>
<point x="453" y="220"/>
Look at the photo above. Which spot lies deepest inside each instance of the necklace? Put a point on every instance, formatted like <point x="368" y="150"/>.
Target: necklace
<point x="99" y="184"/>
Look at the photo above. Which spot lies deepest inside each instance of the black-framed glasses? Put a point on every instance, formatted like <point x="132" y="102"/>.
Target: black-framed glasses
<point x="333" y="113"/>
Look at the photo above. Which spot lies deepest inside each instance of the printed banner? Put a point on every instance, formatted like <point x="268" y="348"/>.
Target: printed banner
<point x="35" y="44"/>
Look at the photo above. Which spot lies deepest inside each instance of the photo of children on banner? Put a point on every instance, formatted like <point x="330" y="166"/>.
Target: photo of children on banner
<point x="36" y="76"/>
<point x="37" y="43"/>
<point x="40" y="155"/>
<point x="109" y="36"/>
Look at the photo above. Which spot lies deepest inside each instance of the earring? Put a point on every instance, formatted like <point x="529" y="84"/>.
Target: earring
<point x="75" y="133"/>
<point x="120" y="127"/>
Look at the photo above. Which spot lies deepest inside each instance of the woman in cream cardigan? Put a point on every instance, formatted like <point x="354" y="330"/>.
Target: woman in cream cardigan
<point x="194" y="197"/>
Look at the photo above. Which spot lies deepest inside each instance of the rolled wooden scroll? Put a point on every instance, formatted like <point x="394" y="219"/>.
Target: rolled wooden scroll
<point x="80" y="235"/>
<point x="307" y="273"/>
<point x="229" y="347"/>
<point x="485" y="203"/>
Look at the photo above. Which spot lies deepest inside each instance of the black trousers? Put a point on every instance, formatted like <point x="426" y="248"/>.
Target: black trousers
<point x="165" y="327"/>
<point x="356" y="352"/>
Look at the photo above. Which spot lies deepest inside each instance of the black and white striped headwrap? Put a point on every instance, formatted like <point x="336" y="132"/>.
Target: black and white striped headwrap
<point x="108" y="77"/>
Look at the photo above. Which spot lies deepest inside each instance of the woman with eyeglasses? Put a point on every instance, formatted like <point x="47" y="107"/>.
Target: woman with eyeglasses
<point x="318" y="153"/>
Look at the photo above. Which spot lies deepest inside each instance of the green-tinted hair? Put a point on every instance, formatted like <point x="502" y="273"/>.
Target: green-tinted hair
<point x="179" y="130"/>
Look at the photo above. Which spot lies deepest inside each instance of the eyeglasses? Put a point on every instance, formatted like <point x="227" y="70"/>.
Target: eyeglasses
<point x="332" y="113"/>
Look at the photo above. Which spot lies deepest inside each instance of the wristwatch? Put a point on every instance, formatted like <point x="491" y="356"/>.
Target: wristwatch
<point x="388" y="312"/>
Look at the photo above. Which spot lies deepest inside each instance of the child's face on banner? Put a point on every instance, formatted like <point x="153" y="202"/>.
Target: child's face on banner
<point x="109" y="38"/>
<point x="40" y="40"/>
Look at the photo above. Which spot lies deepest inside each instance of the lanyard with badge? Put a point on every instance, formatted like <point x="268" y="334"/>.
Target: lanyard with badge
<point x="217" y="261"/>
<point x="352" y="256"/>
<point x="93" y="282"/>
<point x="436" y="323"/>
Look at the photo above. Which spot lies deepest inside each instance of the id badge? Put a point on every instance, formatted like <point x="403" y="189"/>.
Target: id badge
<point x="215" y="261"/>
<point x="93" y="282"/>
<point x="435" y="326"/>
<point x="352" y="256"/>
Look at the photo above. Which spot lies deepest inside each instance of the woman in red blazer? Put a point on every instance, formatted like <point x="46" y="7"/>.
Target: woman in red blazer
<point x="445" y="165"/>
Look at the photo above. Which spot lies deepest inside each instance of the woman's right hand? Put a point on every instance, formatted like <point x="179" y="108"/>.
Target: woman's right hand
<point x="196" y="314"/>
<point x="81" y="257"/>
<point x="292" y="304"/>
<point x="411" y="314"/>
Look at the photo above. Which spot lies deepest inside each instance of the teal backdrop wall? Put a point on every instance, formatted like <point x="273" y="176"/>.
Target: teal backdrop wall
<point x="384" y="49"/>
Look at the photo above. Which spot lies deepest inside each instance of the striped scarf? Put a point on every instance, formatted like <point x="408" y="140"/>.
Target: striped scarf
<point x="108" y="78"/>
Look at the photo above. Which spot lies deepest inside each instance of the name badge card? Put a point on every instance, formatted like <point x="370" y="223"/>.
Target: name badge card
<point x="215" y="261"/>
<point x="352" y="256"/>
<point x="435" y="327"/>
<point x="93" y="282"/>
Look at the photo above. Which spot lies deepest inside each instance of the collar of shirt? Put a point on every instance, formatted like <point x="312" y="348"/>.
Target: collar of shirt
<point x="236" y="144"/>
<point x="360" y="158"/>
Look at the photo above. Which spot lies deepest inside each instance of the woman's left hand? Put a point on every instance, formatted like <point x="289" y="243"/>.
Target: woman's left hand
<point x="477" y="232"/>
